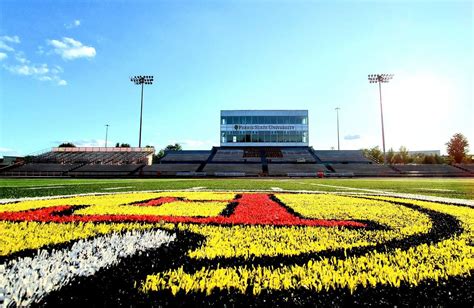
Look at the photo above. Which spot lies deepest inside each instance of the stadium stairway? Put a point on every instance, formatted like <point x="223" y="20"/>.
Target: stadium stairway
<point x="263" y="157"/>
<point x="463" y="168"/>
<point x="72" y="169"/>
<point x="204" y="163"/>
<point x="319" y="161"/>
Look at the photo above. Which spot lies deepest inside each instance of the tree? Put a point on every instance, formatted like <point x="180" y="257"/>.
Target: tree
<point x="123" y="145"/>
<point x="169" y="147"/>
<point x="390" y="155"/>
<point x="374" y="154"/>
<point x="67" y="145"/>
<point x="404" y="155"/>
<point x="458" y="147"/>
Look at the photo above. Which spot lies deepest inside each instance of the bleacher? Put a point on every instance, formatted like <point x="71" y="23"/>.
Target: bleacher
<point x="168" y="169"/>
<point x="430" y="170"/>
<point x="293" y="155"/>
<point x="185" y="156"/>
<point x="231" y="155"/>
<point x="295" y="169"/>
<point x="233" y="169"/>
<point x="467" y="167"/>
<point x="346" y="156"/>
<point x="105" y="170"/>
<point x="364" y="169"/>
<point x="40" y="169"/>
<point x="90" y="155"/>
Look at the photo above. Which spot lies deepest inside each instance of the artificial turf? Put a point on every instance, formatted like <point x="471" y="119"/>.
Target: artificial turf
<point x="441" y="187"/>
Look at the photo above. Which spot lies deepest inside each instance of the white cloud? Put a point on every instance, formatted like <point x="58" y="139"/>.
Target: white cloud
<point x="23" y="66"/>
<point x="70" y="49"/>
<point x="28" y="70"/>
<point x="40" y="72"/>
<point x="90" y="142"/>
<point x="351" y="137"/>
<point x="11" y="39"/>
<point x="6" y="41"/>
<point x="20" y="57"/>
<point x="76" y="23"/>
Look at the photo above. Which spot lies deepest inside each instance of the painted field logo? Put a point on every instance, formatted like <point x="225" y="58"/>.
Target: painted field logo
<point x="213" y="247"/>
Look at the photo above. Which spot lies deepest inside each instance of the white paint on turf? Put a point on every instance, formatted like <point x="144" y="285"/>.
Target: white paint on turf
<point x="116" y="188"/>
<point x="27" y="280"/>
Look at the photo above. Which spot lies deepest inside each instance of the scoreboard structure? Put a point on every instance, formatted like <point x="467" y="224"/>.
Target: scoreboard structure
<point x="264" y="128"/>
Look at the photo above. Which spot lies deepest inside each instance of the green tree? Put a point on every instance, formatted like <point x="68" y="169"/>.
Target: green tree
<point x="390" y="154"/>
<point x="122" y="145"/>
<point x="169" y="147"/>
<point x="67" y="145"/>
<point x="458" y="147"/>
<point x="404" y="155"/>
<point x="374" y="154"/>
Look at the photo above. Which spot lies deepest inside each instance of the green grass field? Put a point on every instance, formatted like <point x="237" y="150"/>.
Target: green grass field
<point x="442" y="187"/>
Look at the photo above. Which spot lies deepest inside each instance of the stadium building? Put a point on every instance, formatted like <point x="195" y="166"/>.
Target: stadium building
<point x="252" y="143"/>
<point x="263" y="128"/>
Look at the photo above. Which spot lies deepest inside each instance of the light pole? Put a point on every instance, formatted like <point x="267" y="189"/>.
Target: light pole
<point x="381" y="78"/>
<point x="141" y="80"/>
<point x="106" y="133"/>
<point x="337" y="113"/>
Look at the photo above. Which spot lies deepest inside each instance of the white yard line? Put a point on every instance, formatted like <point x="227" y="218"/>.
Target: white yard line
<point x="43" y="187"/>
<point x="115" y="188"/>
<point x="276" y="188"/>
<point x="435" y="189"/>
<point x="196" y="188"/>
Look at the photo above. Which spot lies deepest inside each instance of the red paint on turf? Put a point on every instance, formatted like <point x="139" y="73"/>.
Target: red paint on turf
<point x="251" y="209"/>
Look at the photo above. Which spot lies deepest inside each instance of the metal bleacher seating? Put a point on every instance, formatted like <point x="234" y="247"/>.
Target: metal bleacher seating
<point x="105" y="170"/>
<point x="364" y="169"/>
<point x="41" y="169"/>
<point x="431" y="170"/>
<point x="185" y="156"/>
<point x="466" y="167"/>
<point x="230" y="155"/>
<point x="295" y="169"/>
<point x="233" y="169"/>
<point x="293" y="155"/>
<point x="168" y="169"/>
<point x="346" y="156"/>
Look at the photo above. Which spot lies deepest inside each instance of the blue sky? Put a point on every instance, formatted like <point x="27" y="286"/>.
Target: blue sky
<point x="65" y="67"/>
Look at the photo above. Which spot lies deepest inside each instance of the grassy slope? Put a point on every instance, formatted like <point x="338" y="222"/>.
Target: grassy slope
<point x="444" y="187"/>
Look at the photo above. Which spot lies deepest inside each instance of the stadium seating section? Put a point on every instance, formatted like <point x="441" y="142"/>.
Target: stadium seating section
<point x="186" y="156"/>
<point x="347" y="156"/>
<point x="295" y="169"/>
<point x="364" y="169"/>
<point x="430" y="170"/>
<point x="220" y="162"/>
<point x="223" y="169"/>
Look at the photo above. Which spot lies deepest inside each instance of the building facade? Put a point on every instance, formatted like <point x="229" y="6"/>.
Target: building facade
<point x="264" y="128"/>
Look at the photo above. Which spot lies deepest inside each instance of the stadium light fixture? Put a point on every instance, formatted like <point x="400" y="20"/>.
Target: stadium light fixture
<point x="381" y="78"/>
<point x="141" y="80"/>
<point x="106" y="133"/>
<point x="337" y="113"/>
